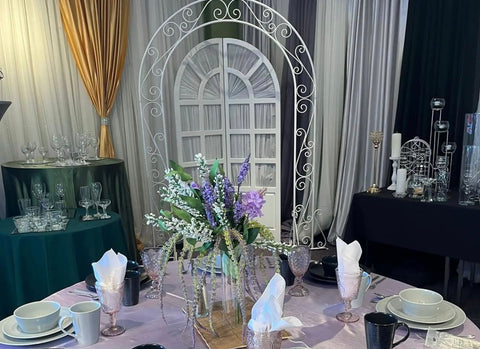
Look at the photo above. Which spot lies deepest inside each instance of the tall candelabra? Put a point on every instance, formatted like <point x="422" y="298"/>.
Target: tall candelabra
<point x="376" y="138"/>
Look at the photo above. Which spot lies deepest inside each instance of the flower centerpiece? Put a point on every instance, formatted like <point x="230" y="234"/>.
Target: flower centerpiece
<point x="213" y="218"/>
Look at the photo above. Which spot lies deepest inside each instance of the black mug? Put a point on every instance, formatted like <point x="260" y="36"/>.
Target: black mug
<point x="380" y="330"/>
<point x="131" y="289"/>
<point x="285" y="270"/>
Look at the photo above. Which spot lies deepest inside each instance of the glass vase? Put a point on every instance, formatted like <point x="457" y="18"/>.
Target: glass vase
<point x="233" y="292"/>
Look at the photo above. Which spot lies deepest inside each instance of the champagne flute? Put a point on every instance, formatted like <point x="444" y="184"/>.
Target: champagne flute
<point x="348" y="285"/>
<point x="96" y="191"/>
<point x="299" y="260"/>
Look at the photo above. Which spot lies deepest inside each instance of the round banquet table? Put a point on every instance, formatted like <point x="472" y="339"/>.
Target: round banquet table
<point x="35" y="265"/>
<point x="144" y="323"/>
<point x="18" y="178"/>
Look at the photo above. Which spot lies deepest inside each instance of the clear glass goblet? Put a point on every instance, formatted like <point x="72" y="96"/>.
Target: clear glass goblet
<point x="111" y="299"/>
<point x="348" y="285"/>
<point x="43" y="152"/>
<point x="151" y="257"/>
<point x="299" y="260"/>
<point x="104" y="204"/>
<point x="26" y="152"/>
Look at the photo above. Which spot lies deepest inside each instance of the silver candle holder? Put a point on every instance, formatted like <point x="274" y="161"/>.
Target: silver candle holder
<point x="376" y="138"/>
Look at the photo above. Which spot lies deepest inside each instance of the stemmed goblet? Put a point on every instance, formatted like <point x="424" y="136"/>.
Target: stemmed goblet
<point x="38" y="191"/>
<point x="43" y="152"/>
<point x="299" y="260"/>
<point x="348" y="285"/>
<point x="151" y="262"/>
<point x="104" y="204"/>
<point x="110" y="297"/>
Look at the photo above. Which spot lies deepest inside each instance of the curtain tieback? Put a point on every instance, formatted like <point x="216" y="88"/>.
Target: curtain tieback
<point x="105" y="121"/>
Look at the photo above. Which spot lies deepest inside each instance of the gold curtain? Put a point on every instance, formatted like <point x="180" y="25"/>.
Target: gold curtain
<point x="97" y="31"/>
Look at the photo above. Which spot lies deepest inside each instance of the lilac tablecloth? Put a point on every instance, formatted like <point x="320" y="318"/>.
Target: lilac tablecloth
<point x="317" y="311"/>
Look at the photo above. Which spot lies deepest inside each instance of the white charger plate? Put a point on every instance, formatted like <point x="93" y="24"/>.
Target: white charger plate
<point x="445" y="313"/>
<point x="457" y="320"/>
<point x="11" y="329"/>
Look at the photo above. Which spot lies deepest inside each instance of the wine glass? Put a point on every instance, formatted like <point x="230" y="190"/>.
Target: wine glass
<point x="348" y="285"/>
<point x="96" y="191"/>
<point x="151" y="262"/>
<point x="94" y="143"/>
<point x="26" y="152"/>
<point x="85" y="201"/>
<point x="57" y="143"/>
<point x="43" y="152"/>
<point x="104" y="204"/>
<point x="31" y="146"/>
<point x="299" y="260"/>
<point x="38" y="191"/>
<point x="110" y="297"/>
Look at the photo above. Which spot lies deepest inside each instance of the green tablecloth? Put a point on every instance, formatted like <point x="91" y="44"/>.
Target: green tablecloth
<point x="18" y="178"/>
<point x="37" y="264"/>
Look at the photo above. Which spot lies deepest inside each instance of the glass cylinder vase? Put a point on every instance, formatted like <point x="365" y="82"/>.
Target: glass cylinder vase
<point x="470" y="170"/>
<point x="233" y="292"/>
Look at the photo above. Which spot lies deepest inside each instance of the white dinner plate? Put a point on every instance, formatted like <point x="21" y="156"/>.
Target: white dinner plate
<point x="457" y="320"/>
<point x="445" y="313"/>
<point x="11" y="329"/>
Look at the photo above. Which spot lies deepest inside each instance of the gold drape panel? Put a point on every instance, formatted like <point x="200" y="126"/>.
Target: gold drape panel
<point x="97" y="31"/>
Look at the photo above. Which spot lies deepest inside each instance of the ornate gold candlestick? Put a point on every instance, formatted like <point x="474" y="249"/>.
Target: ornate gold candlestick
<point x="376" y="138"/>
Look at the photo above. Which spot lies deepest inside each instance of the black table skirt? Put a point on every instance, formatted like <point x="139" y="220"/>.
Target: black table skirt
<point x="441" y="228"/>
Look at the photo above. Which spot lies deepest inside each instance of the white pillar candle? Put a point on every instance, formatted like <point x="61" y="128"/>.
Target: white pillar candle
<point x="396" y="144"/>
<point x="401" y="181"/>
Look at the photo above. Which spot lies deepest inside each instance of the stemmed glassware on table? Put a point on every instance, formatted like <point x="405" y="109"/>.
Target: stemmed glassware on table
<point x="43" y="152"/>
<point x="38" y="192"/>
<point x="26" y="152"/>
<point x="348" y="285"/>
<point x="151" y="262"/>
<point x="94" y="142"/>
<point x="82" y="141"/>
<point x="85" y="201"/>
<point x="96" y="191"/>
<point x="299" y="261"/>
<point x="57" y="142"/>
<point x="111" y="299"/>
<point x="104" y="203"/>
<point x="31" y="146"/>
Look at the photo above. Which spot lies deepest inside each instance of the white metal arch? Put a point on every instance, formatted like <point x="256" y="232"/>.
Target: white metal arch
<point x="272" y="24"/>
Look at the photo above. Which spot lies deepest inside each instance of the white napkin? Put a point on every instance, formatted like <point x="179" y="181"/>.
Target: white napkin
<point x="348" y="256"/>
<point x="268" y="310"/>
<point x="110" y="269"/>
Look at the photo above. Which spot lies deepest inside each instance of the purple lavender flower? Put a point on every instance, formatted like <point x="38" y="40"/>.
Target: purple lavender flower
<point x="229" y="193"/>
<point x="252" y="203"/>
<point x="238" y="210"/>
<point x="194" y="185"/>
<point x="242" y="174"/>
<point x="208" y="195"/>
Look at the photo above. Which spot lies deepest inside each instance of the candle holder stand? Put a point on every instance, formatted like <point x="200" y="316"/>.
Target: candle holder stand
<point x="376" y="138"/>
<point x="395" y="160"/>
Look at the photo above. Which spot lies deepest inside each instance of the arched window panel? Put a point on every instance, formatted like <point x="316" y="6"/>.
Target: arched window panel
<point x="189" y="118"/>
<point x="262" y="83"/>
<point x="265" y="146"/>
<point x="239" y="116"/>
<point x="212" y="88"/>
<point x="191" y="145"/>
<point x="265" y="116"/>
<point x="239" y="146"/>
<point x="206" y="59"/>
<point x="213" y="117"/>
<point x="241" y="58"/>
<point x="265" y="175"/>
<point x="189" y="84"/>
<point x="237" y="89"/>
<point x="214" y="147"/>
